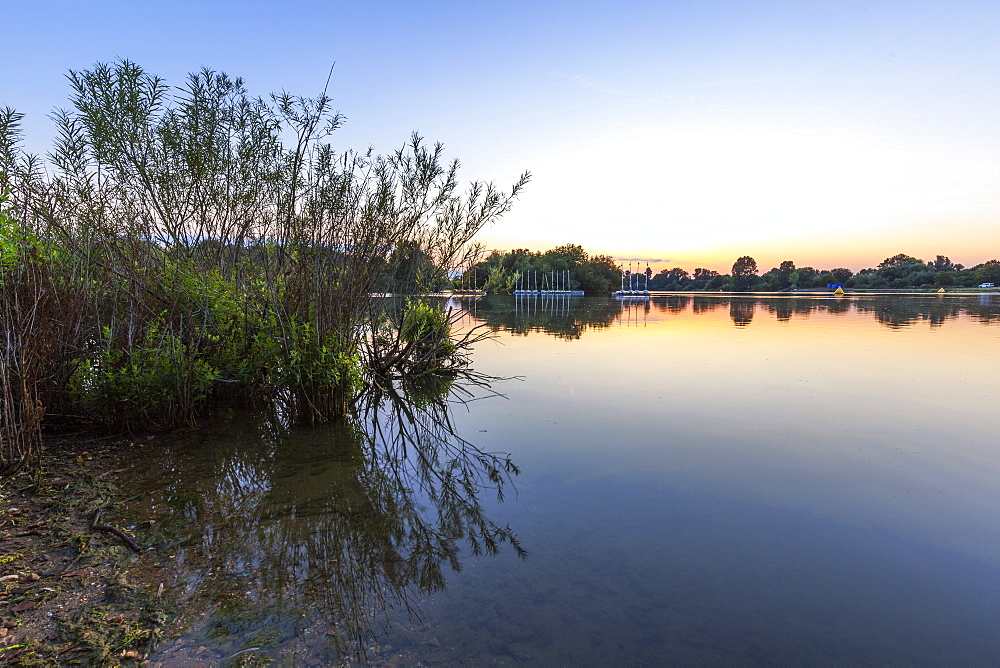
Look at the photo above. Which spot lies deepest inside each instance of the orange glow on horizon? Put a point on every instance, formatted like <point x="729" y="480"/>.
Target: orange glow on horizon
<point x="967" y="244"/>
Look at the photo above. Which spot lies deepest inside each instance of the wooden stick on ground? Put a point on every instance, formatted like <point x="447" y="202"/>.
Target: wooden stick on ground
<point x="125" y="538"/>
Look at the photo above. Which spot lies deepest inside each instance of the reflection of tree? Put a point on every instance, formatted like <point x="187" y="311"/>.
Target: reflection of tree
<point x="837" y="305"/>
<point x="672" y="303"/>
<point x="707" y="304"/>
<point x="897" y="311"/>
<point x="340" y="524"/>
<point x="892" y="310"/>
<point x="562" y="316"/>
<point x="569" y="319"/>
<point x="782" y="308"/>
<point x="741" y="311"/>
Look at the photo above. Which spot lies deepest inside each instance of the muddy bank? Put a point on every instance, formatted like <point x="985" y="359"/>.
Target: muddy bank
<point x="65" y="594"/>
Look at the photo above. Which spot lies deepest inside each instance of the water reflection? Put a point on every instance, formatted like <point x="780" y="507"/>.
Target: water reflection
<point x="570" y="317"/>
<point x="564" y="316"/>
<point x="634" y="312"/>
<point x="737" y="480"/>
<point x="814" y="486"/>
<point x="300" y="542"/>
<point x="741" y="312"/>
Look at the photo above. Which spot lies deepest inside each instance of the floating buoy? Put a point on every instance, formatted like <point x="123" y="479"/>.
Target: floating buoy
<point x="940" y="289"/>
<point x="838" y="291"/>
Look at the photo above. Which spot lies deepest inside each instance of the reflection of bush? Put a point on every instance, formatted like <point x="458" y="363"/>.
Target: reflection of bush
<point x="341" y="523"/>
<point x="423" y="390"/>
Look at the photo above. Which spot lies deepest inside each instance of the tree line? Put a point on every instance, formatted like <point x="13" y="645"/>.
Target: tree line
<point x="499" y="272"/>
<point x="897" y="272"/>
<point x="600" y="274"/>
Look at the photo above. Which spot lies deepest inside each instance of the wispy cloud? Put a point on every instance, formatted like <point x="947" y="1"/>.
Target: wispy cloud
<point x="650" y="260"/>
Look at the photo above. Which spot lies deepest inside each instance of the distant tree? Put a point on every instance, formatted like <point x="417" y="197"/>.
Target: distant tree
<point x="841" y="274"/>
<point x="600" y="274"/>
<point x="717" y="282"/>
<point x="777" y="278"/>
<point x="519" y="259"/>
<point x="701" y="279"/>
<point x="943" y="278"/>
<point x="571" y="252"/>
<point x="942" y="263"/>
<point x="670" y="279"/>
<point x="901" y="271"/>
<point x="744" y="273"/>
<point x="591" y="274"/>
<point x="805" y="277"/>
<point x="966" y="278"/>
<point x="785" y="270"/>
<point x="897" y="260"/>
<point x="989" y="272"/>
<point x="768" y="280"/>
<point x="863" y="279"/>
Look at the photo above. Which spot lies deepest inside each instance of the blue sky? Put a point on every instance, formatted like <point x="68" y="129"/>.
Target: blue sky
<point x="688" y="132"/>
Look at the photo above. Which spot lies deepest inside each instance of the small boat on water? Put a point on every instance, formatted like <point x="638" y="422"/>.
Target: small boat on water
<point x="633" y="291"/>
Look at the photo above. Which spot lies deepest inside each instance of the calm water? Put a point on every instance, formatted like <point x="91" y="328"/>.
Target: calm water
<point x="699" y="480"/>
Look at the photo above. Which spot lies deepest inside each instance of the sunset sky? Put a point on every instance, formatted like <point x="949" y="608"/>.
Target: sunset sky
<point x="688" y="133"/>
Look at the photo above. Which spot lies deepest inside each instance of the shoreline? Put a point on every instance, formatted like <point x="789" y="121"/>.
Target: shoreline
<point x="66" y="595"/>
<point x="966" y="292"/>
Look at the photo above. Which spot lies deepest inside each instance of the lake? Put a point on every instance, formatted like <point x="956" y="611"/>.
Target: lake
<point x="685" y="479"/>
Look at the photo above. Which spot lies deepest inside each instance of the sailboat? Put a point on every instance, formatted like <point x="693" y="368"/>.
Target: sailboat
<point x="633" y="291"/>
<point x="556" y="282"/>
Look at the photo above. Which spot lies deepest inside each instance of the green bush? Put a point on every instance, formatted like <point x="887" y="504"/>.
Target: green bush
<point x="427" y="326"/>
<point x="302" y="359"/>
<point x="162" y="381"/>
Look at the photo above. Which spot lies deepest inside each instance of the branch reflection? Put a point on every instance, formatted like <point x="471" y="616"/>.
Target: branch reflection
<point x="303" y="541"/>
<point x="571" y="317"/>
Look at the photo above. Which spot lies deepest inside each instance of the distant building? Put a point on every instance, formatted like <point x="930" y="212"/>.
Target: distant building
<point x="834" y="286"/>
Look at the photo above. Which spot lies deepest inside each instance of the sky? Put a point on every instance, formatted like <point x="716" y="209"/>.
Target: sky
<point x="680" y="133"/>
